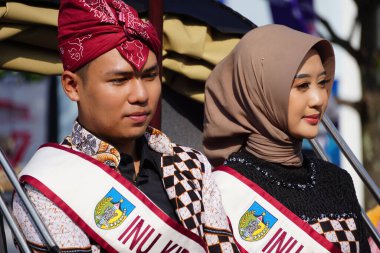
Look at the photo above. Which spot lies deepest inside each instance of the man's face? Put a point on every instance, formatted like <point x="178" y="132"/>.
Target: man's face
<point x="116" y="102"/>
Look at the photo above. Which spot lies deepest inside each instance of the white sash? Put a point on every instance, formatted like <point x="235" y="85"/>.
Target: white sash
<point x="108" y="208"/>
<point x="262" y="224"/>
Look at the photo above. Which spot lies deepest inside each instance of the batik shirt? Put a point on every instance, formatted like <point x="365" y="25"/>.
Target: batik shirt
<point x="186" y="177"/>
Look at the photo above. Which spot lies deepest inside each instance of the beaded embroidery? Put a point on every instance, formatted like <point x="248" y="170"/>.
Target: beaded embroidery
<point x="334" y="216"/>
<point x="275" y="180"/>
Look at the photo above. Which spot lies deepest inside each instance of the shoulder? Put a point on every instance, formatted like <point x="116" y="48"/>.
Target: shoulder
<point x="177" y="156"/>
<point x="161" y="143"/>
<point x="329" y="168"/>
<point x="193" y="158"/>
<point x="190" y="152"/>
<point x="330" y="173"/>
<point x="64" y="231"/>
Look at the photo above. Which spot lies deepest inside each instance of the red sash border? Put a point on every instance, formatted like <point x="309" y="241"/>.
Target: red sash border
<point x="68" y="210"/>
<point x="241" y="249"/>
<point x="296" y="220"/>
<point x="76" y="218"/>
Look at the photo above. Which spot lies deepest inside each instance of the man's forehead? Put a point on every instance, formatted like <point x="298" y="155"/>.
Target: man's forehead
<point x="112" y="63"/>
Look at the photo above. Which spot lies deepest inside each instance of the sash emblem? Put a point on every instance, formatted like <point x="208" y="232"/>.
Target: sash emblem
<point x="255" y="223"/>
<point x="112" y="210"/>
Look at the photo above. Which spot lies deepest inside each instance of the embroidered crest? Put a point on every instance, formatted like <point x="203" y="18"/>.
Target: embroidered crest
<point x="255" y="223"/>
<point x="112" y="210"/>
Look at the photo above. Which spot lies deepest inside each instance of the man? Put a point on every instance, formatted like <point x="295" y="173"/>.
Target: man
<point x="116" y="184"/>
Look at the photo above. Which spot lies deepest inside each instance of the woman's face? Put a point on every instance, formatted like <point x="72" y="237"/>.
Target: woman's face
<point x="308" y="97"/>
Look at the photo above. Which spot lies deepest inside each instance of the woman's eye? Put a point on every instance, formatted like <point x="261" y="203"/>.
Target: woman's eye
<point x="324" y="82"/>
<point x="303" y="86"/>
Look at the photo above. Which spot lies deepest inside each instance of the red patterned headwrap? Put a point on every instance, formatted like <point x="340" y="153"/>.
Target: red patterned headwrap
<point x="90" y="28"/>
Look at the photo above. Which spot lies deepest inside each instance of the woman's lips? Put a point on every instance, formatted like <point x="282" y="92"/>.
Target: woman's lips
<point x="312" y="119"/>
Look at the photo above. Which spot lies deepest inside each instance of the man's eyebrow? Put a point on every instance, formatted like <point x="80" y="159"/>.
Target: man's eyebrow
<point x="150" y="69"/>
<point x="131" y="72"/>
<point x="307" y="75"/>
<point x="119" y="73"/>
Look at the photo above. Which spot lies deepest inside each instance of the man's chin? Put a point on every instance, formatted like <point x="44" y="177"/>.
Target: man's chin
<point x="134" y="133"/>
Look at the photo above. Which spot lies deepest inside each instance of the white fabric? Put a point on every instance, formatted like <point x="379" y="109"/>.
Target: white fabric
<point x="288" y="233"/>
<point x="62" y="166"/>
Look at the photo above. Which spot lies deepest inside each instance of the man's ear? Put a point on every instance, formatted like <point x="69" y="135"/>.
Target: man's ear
<point x="70" y="84"/>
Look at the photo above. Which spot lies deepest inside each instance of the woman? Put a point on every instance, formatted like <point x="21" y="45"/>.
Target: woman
<point x="262" y="100"/>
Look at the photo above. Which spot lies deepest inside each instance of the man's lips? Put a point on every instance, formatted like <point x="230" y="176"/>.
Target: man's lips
<point x="138" y="117"/>
<point x="312" y="119"/>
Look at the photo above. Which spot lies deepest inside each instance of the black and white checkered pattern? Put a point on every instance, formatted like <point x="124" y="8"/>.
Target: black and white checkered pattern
<point x="184" y="193"/>
<point x="183" y="179"/>
<point x="342" y="232"/>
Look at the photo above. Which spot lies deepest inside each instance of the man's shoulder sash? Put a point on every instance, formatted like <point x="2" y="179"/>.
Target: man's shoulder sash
<point x="262" y="224"/>
<point x="106" y="206"/>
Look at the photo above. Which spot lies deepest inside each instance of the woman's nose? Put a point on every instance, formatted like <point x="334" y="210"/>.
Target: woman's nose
<point x="317" y="96"/>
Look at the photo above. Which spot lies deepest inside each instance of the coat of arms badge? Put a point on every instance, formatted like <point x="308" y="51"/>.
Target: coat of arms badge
<point x="112" y="210"/>
<point x="255" y="223"/>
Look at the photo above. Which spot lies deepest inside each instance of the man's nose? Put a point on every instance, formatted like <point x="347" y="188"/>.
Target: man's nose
<point x="138" y="93"/>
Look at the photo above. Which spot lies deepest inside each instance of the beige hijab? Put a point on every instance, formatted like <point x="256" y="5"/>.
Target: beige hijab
<point x="246" y="97"/>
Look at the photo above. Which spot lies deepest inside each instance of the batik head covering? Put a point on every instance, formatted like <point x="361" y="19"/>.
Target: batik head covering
<point x="90" y="28"/>
<point x="247" y="95"/>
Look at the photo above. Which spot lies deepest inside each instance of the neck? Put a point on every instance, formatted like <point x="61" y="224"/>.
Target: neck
<point x="130" y="148"/>
<point x="126" y="147"/>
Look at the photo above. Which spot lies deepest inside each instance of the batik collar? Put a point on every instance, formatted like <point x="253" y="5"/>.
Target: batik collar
<point x="87" y="143"/>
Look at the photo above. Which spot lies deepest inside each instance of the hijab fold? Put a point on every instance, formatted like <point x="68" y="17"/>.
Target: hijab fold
<point x="247" y="95"/>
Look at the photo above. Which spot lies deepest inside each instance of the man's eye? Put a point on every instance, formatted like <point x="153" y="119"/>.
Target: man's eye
<point x="118" y="81"/>
<point x="151" y="75"/>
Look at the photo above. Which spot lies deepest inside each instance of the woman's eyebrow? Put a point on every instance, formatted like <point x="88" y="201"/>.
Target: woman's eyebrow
<point x="323" y="74"/>
<point x="307" y="75"/>
<point x="302" y="76"/>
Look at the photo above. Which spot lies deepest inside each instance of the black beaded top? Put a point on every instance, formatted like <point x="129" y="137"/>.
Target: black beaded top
<point x="314" y="191"/>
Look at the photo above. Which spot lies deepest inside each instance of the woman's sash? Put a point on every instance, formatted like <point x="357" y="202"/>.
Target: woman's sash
<point x="106" y="206"/>
<point x="262" y="224"/>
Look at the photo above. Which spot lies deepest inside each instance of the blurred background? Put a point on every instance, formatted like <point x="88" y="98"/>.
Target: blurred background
<point x="196" y="36"/>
